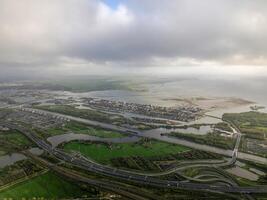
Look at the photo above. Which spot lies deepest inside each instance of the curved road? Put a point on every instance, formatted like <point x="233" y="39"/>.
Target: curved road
<point x="135" y="132"/>
<point x="85" y="164"/>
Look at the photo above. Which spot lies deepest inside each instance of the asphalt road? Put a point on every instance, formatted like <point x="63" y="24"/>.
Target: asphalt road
<point x="135" y="132"/>
<point x="131" y="176"/>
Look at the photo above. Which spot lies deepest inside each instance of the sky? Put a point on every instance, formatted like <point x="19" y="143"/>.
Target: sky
<point x="66" y="37"/>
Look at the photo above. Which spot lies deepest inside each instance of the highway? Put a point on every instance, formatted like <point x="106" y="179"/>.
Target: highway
<point x="228" y="153"/>
<point x="89" y="166"/>
<point x="116" y="187"/>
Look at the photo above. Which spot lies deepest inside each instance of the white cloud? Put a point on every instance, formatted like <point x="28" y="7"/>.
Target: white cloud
<point x="75" y="34"/>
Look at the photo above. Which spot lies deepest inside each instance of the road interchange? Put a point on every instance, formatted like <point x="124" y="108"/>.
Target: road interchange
<point x="90" y="166"/>
<point x="135" y="132"/>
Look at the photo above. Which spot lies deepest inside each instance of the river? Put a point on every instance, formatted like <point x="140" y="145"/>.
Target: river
<point x="68" y="137"/>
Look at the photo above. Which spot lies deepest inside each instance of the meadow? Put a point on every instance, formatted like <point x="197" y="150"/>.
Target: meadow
<point x="45" y="186"/>
<point x="103" y="153"/>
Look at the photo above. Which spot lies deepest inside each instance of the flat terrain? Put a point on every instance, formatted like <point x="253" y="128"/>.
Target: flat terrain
<point x="9" y="139"/>
<point x="253" y="124"/>
<point x="211" y="139"/>
<point x="103" y="153"/>
<point x="94" y="115"/>
<point x="83" y="113"/>
<point x="14" y="137"/>
<point x="147" y="155"/>
<point x="46" y="186"/>
<point x="83" y="129"/>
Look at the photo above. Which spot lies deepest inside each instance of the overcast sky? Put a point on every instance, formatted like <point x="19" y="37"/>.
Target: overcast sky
<point x="94" y="36"/>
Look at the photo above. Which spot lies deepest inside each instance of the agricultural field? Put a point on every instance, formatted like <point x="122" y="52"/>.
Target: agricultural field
<point x="212" y="139"/>
<point x="252" y="124"/>
<point x="19" y="170"/>
<point x="10" y="139"/>
<point x="83" y="113"/>
<point x="80" y="128"/>
<point x="160" y="163"/>
<point x="103" y="153"/>
<point x="94" y="115"/>
<point x="254" y="146"/>
<point x="223" y="126"/>
<point x="38" y="188"/>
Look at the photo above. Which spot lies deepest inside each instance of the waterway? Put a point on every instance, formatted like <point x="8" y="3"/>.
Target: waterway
<point x="68" y="137"/>
<point x="168" y="91"/>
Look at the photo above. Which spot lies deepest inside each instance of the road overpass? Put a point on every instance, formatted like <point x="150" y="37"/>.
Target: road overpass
<point x="89" y="166"/>
<point x="229" y="153"/>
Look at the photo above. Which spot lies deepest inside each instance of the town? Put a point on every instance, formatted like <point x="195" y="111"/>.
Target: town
<point x="181" y="113"/>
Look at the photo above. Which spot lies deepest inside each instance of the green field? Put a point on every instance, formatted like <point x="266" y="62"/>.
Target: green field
<point x="13" y="138"/>
<point x="103" y="153"/>
<point x="93" y="115"/>
<point x="212" y="139"/>
<point x="84" y="113"/>
<point x="253" y="124"/>
<point x="46" y="186"/>
<point x="80" y="128"/>
<point x="223" y="126"/>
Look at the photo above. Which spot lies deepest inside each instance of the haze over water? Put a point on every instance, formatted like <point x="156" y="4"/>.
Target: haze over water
<point x="165" y="91"/>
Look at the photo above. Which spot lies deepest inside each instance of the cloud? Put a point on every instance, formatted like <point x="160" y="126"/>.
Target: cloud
<point x="88" y="34"/>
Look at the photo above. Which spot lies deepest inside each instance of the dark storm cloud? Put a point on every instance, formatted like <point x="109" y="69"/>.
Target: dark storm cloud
<point x="65" y="34"/>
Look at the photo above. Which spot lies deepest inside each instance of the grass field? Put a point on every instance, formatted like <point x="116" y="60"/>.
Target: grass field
<point x="103" y="153"/>
<point x="211" y="139"/>
<point x="15" y="138"/>
<point x="253" y="124"/>
<point x="83" y="129"/>
<point x="46" y="186"/>
<point x="84" y="113"/>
